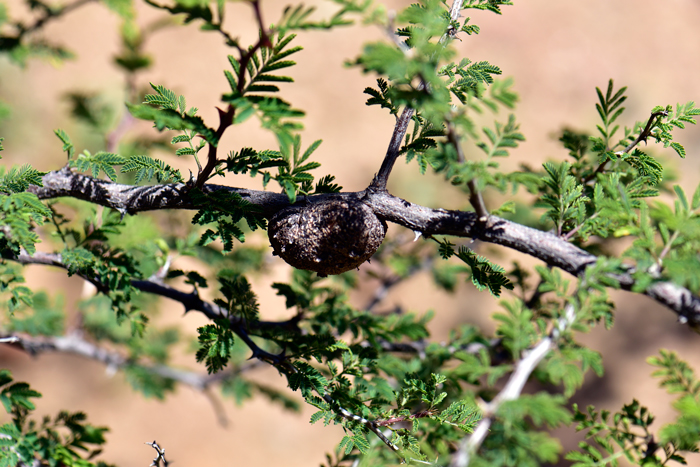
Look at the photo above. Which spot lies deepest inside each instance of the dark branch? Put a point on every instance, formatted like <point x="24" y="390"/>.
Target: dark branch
<point x="475" y="198"/>
<point x="49" y="14"/>
<point x="225" y="121"/>
<point x="226" y="117"/>
<point x="129" y="199"/>
<point x="392" y="153"/>
<point x="191" y="301"/>
<point x="547" y="247"/>
<point x="643" y="136"/>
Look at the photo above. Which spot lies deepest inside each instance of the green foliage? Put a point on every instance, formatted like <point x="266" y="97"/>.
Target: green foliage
<point x="20" y="211"/>
<point x="255" y="162"/>
<point x="225" y="209"/>
<point x="251" y="94"/>
<point x="67" y="143"/>
<point x="672" y="119"/>
<point x="90" y="110"/>
<point x="168" y="111"/>
<point x="147" y="168"/>
<point x="38" y="317"/>
<point x="484" y="273"/>
<point x="16" y="397"/>
<point x="678" y="378"/>
<point x="609" y="109"/>
<point x="563" y="197"/>
<point x="215" y="345"/>
<point x="101" y="161"/>
<point x="504" y="136"/>
<point x="294" y="177"/>
<point x="17" y="180"/>
<point x="10" y="280"/>
<point x="239" y="300"/>
<point x="398" y="395"/>
<point x="56" y="441"/>
<point x="115" y="269"/>
<point x="629" y="434"/>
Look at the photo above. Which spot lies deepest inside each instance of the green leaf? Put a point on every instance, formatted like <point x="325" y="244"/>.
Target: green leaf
<point x="67" y="144"/>
<point x="172" y="120"/>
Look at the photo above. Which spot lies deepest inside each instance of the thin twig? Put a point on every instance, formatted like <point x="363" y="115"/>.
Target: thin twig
<point x="643" y="136"/>
<point x="455" y="12"/>
<point x="667" y="247"/>
<point x="48" y="16"/>
<point x="371" y="425"/>
<point x="114" y="137"/>
<point x="226" y="116"/>
<point x="573" y="231"/>
<point x="475" y="197"/>
<point x="380" y="180"/>
<point x="160" y="456"/>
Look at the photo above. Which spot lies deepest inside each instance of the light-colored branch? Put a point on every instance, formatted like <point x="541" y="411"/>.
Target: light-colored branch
<point x="511" y="390"/>
<point x="75" y="344"/>
<point x="160" y="455"/>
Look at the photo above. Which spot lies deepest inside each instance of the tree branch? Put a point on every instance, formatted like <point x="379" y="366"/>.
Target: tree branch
<point x="512" y="389"/>
<point x="643" y="136"/>
<point x="547" y="247"/>
<point x="75" y="344"/>
<point x="129" y="199"/>
<point x="160" y="456"/>
<point x="191" y="301"/>
<point x="226" y="117"/>
<point x="49" y="14"/>
<point x="392" y="153"/>
<point x="475" y="198"/>
<point x="380" y="180"/>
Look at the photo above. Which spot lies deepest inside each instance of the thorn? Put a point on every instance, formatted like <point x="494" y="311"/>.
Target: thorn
<point x="683" y="319"/>
<point x="122" y="212"/>
<point x="417" y="234"/>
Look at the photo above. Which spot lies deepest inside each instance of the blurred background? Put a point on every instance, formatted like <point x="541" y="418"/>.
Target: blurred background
<point x="557" y="52"/>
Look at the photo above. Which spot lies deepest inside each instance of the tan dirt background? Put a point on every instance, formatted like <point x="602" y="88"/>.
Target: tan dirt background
<point x="558" y="52"/>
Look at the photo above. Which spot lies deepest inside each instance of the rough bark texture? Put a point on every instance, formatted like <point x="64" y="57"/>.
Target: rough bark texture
<point x="550" y="248"/>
